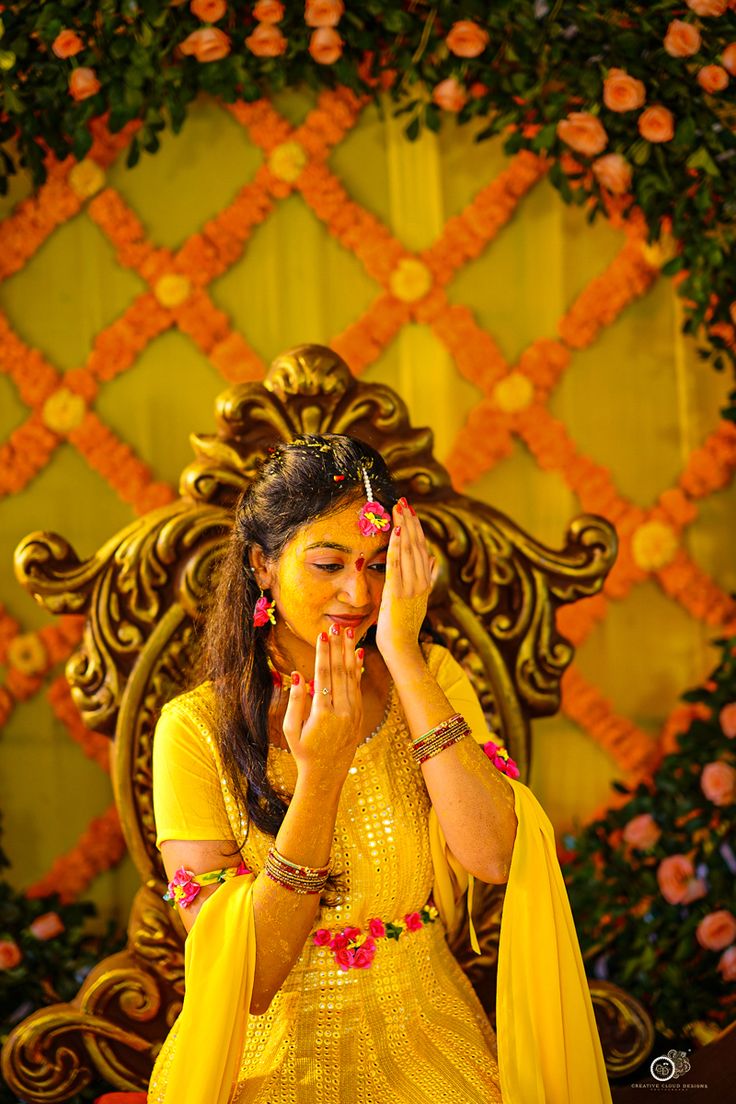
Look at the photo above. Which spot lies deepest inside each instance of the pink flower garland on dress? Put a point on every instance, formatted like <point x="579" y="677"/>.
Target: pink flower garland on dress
<point x="354" y="949"/>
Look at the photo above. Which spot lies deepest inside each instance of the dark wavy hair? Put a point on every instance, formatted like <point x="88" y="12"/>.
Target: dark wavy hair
<point x="295" y="485"/>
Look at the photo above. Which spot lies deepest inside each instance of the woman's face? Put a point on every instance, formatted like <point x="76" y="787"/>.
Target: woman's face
<point x="329" y="572"/>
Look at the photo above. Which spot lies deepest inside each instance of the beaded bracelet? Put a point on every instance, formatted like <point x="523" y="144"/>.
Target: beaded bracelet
<point x="439" y="738"/>
<point x="291" y="876"/>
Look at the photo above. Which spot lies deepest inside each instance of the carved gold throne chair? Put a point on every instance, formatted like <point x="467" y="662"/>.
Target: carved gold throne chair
<point x="143" y="594"/>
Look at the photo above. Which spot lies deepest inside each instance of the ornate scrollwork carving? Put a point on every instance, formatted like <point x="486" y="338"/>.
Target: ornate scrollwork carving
<point x="625" y="1028"/>
<point x="142" y="592"/>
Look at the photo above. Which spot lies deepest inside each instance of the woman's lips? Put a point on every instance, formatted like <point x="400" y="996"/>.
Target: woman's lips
<point x="345" y="619"/>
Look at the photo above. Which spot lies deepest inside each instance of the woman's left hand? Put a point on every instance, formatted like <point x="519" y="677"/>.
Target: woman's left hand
<point x="410" y="573"/>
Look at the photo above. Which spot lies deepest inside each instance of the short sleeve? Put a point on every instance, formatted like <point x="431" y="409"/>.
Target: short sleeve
<point x="187" y="796"/>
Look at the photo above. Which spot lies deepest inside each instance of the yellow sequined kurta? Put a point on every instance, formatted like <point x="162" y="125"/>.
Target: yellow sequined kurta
<point x="406" y="1030"/>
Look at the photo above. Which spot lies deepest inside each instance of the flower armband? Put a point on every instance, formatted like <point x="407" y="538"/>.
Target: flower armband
<point x="501" y="759"/>
<point x="185" y="885"/>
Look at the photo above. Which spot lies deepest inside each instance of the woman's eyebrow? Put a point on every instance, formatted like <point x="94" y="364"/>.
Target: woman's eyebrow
<point x="342" y="548"/>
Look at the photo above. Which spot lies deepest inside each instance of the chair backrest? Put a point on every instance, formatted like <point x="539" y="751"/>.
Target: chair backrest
<point x="142" y="592"/>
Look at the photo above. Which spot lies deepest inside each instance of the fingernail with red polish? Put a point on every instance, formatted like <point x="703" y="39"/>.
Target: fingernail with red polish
<point x="399" y="508"/>
<point x="335" y="629"/>
<point x="323" y="637"/>
<point x="295" y="677"/>
<point x="397" y="530"/>
<point x="403" y="503"/>
<point x="412" y="511"/>
<point x="360" y="653"/>
<point x="349" y="633"/>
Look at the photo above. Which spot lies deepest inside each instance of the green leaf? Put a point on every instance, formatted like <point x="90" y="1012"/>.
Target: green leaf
<point x="701" y="159"/>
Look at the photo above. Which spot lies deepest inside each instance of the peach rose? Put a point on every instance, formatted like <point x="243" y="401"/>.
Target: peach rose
<point x="613" y="172"/>
<point x="727" y="716"/>
<point x="209" y="11"/>
<point x="712" y="78"/>
<point x="682" y="39"/>
<point x="707" y="7"/>
<point x="677" y="882"/>
<point x="325" y="45"/>
<point x="266" y="41"/>
<point x="47" y="926"/>
<point x="622" y="92"/>
<point x="727" y="964"/>
<point x="449" y="94"/>
<point x="583" y="132"/>
<point x="466" y="39"/>
<point x="642" y="832"/>
<point x="67" y="44"/>
<point x="718" y="782"/>
<point x="10" y="954"/>
<point x="269" y="11"/>
<point x="728" y="57"/>
<point x="83" y="83"/>
<point x="323" y="13"/>
<point x="206" y="44"/>
<point x="657" y="124"/>
<point x="716" y="930"/>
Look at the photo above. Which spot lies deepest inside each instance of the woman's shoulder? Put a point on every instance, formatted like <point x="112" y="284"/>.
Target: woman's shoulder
<point x="195" y="706"/>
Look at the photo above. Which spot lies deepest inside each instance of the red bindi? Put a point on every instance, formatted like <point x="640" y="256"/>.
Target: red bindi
<point x="359" y="563"/>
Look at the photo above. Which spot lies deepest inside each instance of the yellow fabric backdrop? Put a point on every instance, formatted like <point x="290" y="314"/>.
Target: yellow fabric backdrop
<point x="636" y="401"/>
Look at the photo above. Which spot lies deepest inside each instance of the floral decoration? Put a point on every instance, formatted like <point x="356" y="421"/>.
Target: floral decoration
<point x="643" y="100"/>
<point x="652" y="881"/>
<point x="185" y="886"/>
<point x="501" y="759"/>
<point x="373" y="519"/>
<point x="354" y="949"/>
<point x="264" y="612"/>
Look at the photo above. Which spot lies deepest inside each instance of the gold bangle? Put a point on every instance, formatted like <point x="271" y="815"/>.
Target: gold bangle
<point x="439" y="738"/>
<point x="291" y="876"/>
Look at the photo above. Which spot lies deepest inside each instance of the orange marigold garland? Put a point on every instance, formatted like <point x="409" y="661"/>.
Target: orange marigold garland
<point x="100" y="847"/>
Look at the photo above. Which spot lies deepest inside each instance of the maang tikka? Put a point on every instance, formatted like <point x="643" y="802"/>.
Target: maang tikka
<point x="372" y="518"/>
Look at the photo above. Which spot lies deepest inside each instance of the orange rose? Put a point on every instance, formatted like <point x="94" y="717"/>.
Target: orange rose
<point x="83" y="83"/>
<point x="727" y="716"/>
<point x="718" y="782"/>
<point x="269" y="11"/>
<point x="583" y="132"/>
<point x="47" y="926"/>
<point x="716" y="930"/>
<point x="206" y="44"/>
<point x="449" y="94"/>
<point x="209" y="11"/>
<point x="712" y="78"/>
<point x="677" y="882"/>
<point x="266" y="41"/>
<point x="728" y="57"/>
<point x="10" y="954"/>
<point x="622" y="92"/>
<point x="466" y="39"/>
<point x="325" y="45"/>
<point x="707" y="7"/>
<point x="67" y="44"/>
<point x="613" y="172"/>
<point x="323" y="13"/>
<point x="657" y="124"/>
<point x="682" y="39"/>
<point x="642" y="832"/>
<point x="727" y="964"/>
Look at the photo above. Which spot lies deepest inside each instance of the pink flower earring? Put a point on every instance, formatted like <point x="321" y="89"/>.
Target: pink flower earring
<point x="263" y="611"/>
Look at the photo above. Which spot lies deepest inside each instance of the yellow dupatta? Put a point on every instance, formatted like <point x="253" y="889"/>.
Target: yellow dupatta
<point x="201" y="1057"/>
<point x="548" y="1046"/>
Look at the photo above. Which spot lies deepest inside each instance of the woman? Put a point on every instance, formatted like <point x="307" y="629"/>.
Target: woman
<point x="322" y="802"/>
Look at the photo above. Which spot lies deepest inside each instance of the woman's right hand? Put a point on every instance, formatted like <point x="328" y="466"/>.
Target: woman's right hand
<point x="323" y="739"/>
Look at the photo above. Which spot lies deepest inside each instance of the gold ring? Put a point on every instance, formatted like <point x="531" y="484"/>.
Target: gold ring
<point x="325" y="690"/>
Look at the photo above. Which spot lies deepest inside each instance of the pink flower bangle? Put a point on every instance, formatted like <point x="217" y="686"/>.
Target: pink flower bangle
<point x="185" y="885"/>
<point x="354" y="949"/>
